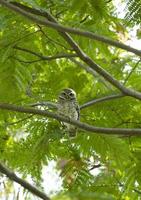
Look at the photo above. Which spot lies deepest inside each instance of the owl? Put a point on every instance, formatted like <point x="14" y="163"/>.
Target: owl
<point x="68" y="106"/>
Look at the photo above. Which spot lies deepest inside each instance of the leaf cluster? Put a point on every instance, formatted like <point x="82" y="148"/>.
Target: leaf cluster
<point x="27" y="143"/>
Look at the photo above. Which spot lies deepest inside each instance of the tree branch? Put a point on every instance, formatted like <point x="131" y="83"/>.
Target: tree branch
<point x="80" y="53"/>
<point x="45" y="103"/>
<point x="52" y="40"/>
<point x="62" y="28"/>
<point x="70" y="56"/>
<point x="85" y="105"/>
<point x="80" y="125"/>
<point x="27" y="62"/>
<point x="61" y="55"/>
<point x="137" y="191"/>
<point x="10" y="174"/>
<point x="12" y="43"/>
<point x="92" y="72"/>
<point x="107" y="98"/>
<point x="19" y="121"/>
<point x="136" y="65"/>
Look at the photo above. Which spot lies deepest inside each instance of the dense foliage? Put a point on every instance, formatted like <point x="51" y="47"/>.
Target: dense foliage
<point x="92" y="165"/>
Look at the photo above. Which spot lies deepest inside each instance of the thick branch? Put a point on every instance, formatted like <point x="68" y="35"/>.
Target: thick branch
<point x="61" y="55"/>
<point x="10" y="174"/>
<point x="92" y="72"/>
<point x="46" y="103"/>
<point x="68" y="29"/>
<point x="80" y="53"/>
<point x="80" y="125"/>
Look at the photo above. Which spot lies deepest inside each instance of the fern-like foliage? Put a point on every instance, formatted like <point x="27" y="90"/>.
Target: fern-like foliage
<point x="133" y="9"/>
<point x="92" y="165"/>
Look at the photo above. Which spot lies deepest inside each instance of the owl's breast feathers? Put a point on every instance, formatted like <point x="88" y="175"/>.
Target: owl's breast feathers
<point x="69" y="109"/>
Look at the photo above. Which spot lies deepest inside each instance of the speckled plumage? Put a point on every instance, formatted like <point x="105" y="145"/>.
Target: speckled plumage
<point x="68" y="106"/>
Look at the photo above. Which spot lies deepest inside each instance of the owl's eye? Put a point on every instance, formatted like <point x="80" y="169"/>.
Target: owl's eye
<point x="71" y="94"/>
<point x="63" y="93"/>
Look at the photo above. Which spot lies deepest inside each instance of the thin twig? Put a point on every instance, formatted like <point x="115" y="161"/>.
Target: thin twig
<point x="102" y="99"/>
<point x="11" y="175"/>
<point x="27" y="62"/>
<point x="58" y="56"/>
<point x="19" y="121"/>
<point x="136" y="65"/>
<point x="52" y="40"/>
<point x="19" y="39"/>
<point x="122" y="185"/>
<point x="127" y="122"/>
<point x="117" y="114"/>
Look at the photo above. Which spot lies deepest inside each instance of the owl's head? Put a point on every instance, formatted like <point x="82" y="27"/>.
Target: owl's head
<point x="67" y="94"/>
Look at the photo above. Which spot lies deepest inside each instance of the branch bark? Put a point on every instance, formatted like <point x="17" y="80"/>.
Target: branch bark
<point x="107" y="98"/>
<point x="58" y="56"/>
<point x="45" y="103"/>
<point x="68" y="29"/>
<point x="72" y="43"/>
<point x="92" y="72"/>
<point x="80" y="125"/>
<point x="11" y="175"/>
<point x="85" y="105"/>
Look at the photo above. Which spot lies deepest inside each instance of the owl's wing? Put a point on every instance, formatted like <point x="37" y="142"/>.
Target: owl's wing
<point x="78" y="111"/>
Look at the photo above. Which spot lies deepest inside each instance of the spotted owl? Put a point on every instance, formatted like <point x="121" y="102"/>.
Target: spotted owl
<point x="68" y="106"/>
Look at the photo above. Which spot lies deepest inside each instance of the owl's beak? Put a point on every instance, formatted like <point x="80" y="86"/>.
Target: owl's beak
<point x="67" y="96"/>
